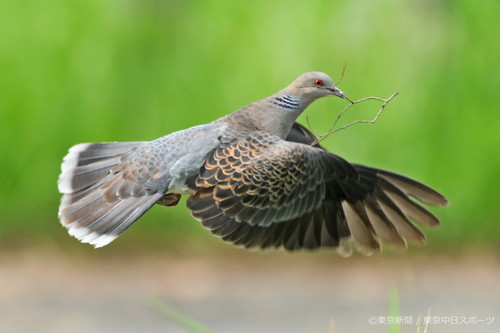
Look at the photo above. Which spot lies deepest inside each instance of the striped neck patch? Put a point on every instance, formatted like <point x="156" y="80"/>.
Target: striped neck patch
<point x="286" y="102"/>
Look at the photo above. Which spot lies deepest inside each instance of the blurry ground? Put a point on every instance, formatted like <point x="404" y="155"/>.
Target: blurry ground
<point x="244" y="291"/>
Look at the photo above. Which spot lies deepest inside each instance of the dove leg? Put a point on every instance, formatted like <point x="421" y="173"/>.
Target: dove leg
<point x="169" y="199"/>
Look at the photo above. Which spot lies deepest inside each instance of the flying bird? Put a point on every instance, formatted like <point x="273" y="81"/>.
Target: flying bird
<point x="255" y="178"/>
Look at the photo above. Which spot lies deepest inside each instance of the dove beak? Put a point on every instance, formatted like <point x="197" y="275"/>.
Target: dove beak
<point x="337" y="92"/>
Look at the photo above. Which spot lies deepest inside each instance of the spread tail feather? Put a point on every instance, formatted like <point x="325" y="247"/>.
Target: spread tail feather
<point x="86" y="163"/>
<point x="94" y="208"/>
<point x="99" y="222"/>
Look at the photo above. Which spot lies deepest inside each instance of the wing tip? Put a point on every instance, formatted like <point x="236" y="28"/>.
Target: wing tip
<point x="445" y="202"/>
<point x="414" y="188"/>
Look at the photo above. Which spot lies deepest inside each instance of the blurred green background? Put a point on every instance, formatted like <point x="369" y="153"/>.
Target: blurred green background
<point x="107" y="70"/>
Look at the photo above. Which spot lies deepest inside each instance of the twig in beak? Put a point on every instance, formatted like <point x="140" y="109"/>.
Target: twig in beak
<point x="373" y="121"/>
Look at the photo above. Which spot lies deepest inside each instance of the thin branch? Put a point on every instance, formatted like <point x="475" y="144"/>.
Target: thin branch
<point x="341" y="75"/>
<point x="310" y="127"/>
<point x="373" y="121"/>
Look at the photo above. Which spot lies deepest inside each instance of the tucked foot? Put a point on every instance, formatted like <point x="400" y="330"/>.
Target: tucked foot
<point x="169" y="199"/>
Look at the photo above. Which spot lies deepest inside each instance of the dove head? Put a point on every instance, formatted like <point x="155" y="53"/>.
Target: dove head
<point x="277" y="113"/>
<point x="313" y="85"/>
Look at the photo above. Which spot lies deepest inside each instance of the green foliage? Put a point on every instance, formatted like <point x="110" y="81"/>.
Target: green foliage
<point x="107" y="70"/>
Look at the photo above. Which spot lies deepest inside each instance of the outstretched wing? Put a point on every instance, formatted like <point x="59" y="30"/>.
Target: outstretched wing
<point x="262" y="191"/>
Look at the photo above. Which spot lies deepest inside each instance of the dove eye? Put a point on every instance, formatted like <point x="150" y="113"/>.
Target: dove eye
<point x="318" y="83"/>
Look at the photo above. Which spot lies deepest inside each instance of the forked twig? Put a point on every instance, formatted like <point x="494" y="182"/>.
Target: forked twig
<point x="373" y="121"/>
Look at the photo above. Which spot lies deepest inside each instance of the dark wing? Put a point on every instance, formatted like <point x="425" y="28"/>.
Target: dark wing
<point x="262" y="191"/>
<point x="300" y="134"/>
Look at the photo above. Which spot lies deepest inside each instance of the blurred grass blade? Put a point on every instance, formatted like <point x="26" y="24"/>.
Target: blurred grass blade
<point x="178" y="317"/>
<point x="427" y="322"/>
<point x="394" y="309"/>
